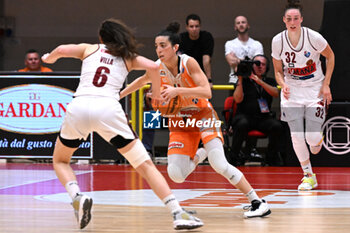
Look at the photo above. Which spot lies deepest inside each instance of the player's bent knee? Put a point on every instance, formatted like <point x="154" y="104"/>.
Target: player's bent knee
<point x="313" y="138"/>
<point x="217" y="160"/>
<point x="219" y="163"/>
<point x="175" y="173"/>
<point x="137" y="154"/>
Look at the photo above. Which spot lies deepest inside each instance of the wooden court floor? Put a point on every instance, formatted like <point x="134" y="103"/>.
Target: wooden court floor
<point x="32" y="200"/>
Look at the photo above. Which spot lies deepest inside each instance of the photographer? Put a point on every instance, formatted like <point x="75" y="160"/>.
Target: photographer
<point x="253" y="95"/>
<point x="243" y="46"/>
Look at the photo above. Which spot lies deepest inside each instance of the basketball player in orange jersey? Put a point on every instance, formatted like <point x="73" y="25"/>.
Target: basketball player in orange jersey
<point x="305" y="89"/>
<point x="182" y="77"/>
<point x="96" y="108"/>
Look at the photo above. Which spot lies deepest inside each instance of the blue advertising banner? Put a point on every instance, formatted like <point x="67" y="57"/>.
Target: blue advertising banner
<point x="32" y="108"/>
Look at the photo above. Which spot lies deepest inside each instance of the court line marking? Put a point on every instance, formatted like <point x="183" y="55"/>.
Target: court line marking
<point x="39" y="181"/>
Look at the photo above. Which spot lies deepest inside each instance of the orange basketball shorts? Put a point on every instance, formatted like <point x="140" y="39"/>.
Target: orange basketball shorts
<point x="186" y="131"/>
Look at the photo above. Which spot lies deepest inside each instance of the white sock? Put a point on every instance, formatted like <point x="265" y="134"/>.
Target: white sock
<point x="72" y="188"/>
<point x="251" y="195"/>
<point x="307" y="168"/>
<point x="172" y="203"/>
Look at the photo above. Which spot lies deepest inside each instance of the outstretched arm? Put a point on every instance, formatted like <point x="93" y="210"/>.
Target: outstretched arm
<point x="78" y="51"/>
<point x="135" y="85"/>
<point x="152" y="74"/>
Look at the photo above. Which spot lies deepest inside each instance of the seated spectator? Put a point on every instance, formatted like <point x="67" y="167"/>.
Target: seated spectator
<point x="32" y="62"/>
<point x="253" y="96"/>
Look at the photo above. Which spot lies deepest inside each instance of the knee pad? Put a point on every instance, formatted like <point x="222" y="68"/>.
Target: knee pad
<point x="137" y="154"/>
<point x="179" y="167"/>
<point x="175" y="173"/>
<point x="219" y="163"/>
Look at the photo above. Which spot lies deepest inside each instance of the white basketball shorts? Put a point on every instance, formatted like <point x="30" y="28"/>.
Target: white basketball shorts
<point x="303" y="103"/>
<point x="103" y="115"/>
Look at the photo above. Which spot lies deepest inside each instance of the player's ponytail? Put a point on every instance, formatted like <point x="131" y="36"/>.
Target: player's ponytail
<point x="118" y="38"/>
<point x="171" y="31"/>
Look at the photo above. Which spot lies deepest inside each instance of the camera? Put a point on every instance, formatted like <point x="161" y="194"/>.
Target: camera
<point x="245" y="67"/>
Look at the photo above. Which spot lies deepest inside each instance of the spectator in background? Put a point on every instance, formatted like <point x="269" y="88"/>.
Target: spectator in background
<point x="32" y="62"/>
<point x="242" y="48"/>
<point x="254" y="96"/>
<point x="198" y="44"/>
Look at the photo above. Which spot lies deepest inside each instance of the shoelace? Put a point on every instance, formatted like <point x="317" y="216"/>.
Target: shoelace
<point x="190" y="215"/>
<point x="190" y="211"/>
<point x="306" y="177"/>
<point x="255" y="205"/>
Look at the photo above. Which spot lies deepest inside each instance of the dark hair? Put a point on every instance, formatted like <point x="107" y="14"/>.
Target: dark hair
<point x="118" y="38"/>
<point x="293" y="4"/>
<point x="31" y="51"/>
<point x="193" y="17"/>
<point x="267" y="62"/>
<point x="171" y="32"/>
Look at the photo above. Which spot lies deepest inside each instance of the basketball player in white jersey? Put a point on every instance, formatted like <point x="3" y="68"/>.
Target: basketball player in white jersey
<point x="306" y="93"/>
<point x="96" y="108"/>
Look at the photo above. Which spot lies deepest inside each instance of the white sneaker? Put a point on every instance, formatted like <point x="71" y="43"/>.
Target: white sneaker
<point x="308" y="183"/>
<point x="82" y="209"/>
<point x="257" y="209"/>
<point x="184" y="220"/>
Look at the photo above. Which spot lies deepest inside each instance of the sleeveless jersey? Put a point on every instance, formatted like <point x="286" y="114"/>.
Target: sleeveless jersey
<point x="102" y="74"/>
<point x="182" y="79"/>
<point x="302" y="65"/>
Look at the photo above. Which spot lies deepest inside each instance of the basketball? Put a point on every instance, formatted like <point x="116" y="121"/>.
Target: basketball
<point x="169" y="108"/>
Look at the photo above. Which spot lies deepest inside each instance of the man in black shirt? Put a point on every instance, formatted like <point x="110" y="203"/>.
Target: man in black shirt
<point x="253" y="96"/>
<point x="197" y="44"/>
